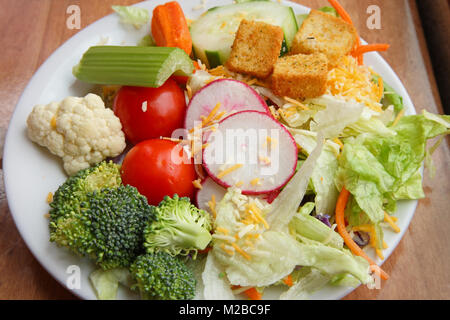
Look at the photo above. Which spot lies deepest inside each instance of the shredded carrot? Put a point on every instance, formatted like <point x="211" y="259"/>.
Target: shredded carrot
<point x="355" y="249"/>
<point x="206" y="250"/>
<point x="341" y="11"/>
<point x="346" y="17"/>
<point x="288" y="281"/>
<point x="360" y="50"/>
<point x="253" y="294"/>
<point x="170" y="28"/>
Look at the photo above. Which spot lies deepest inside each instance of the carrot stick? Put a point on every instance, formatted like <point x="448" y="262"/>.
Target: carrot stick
<point x="360" y="50"/>
<point x="170" y="28"/>
<point x="253" y="294"/>
<point x="354" y="248"/>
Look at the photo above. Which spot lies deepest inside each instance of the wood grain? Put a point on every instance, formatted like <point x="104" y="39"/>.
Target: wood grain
<point x="30" y="30"/>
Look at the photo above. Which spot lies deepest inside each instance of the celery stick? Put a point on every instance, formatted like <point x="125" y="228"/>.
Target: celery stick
<point x="132" y="66"/>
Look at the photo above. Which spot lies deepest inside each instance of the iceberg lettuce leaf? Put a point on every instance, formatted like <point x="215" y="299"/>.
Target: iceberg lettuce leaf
<point x="135" y="16"/>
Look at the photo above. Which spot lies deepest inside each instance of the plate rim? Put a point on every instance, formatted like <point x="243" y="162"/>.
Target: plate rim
<point x="40" y="72"/>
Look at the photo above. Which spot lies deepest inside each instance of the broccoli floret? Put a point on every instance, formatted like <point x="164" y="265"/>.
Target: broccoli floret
<point x="161" y="276"/>
<point x="74" y="191"/>
<point x="180" y="228"/>
<point x="93" y="215"/>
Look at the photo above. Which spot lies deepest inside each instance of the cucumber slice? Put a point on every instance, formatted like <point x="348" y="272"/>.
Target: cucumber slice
<point x="213" y="33"/>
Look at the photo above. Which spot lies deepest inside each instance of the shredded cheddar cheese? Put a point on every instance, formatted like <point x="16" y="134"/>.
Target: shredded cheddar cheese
<point x="212" y="205"/>
<point x="339" y="142"/>
<point x="242" y="252"/>
<point x="229" y="170"/>
<point x="189" y="91"/>
<point x="197" y="184"/>
<point x="354" y="82"/>
<point x="53" y="122"/>
<point x="255" y="182"/>
<point x="264" y="160"/>
<point x="274" y="112"/>
<point x="223" y="230"/>
<point x="50" y="197"/>
<point x="227" y="249"/>
<point x="239" y="184"/>
<point x="398" y="117"/>
<point x="296" y="103"/>
<point x="389" y="220"/>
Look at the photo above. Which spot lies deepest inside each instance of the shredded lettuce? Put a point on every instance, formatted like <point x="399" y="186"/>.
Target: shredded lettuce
<point x="329" y="10"/>
<point x="135" y="16"/>
<point x="379" y="170"/>
<point x="106" y="282"/>
<point x="302" y="17"/>
<point x="215" y="282"/>
<point x="309" y="283"/>
<point x="324" y="173"/>
<point x="333" y="261"/>
<point x="337" y="115"/>
<point x="146" y="41"/>
<point x="344" y="280"/>
<point x="286" y="204"/>
<point x="275" y="253"/>
<point x="310" y="227"/>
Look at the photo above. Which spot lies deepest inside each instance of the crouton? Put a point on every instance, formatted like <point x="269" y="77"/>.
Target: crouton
<point x="256" y="48"/>
<point x="300" y="76"/>
<point x="322" y="32"/>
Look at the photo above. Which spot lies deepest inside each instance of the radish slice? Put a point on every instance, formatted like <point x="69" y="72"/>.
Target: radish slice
<point x="233" y="96"/>
<point x="206" y="193"/>
<point x="252" y="151"/>
<point x="270" y="197"/>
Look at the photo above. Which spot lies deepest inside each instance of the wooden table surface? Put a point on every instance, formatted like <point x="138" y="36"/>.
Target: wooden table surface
<point x="30" y="30"/>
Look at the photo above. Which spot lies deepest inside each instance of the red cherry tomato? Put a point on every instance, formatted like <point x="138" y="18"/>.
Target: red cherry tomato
<point x="148" y="113"/>
<point x="159" y="168"/>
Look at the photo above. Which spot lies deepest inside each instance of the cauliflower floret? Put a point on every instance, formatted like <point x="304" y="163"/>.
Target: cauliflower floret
<point x="79" y="130"/>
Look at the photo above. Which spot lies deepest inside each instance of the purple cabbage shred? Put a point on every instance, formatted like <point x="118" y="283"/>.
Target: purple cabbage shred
<point x="324" y="218"/>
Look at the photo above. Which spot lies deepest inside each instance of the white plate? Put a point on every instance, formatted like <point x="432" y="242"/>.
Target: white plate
<point x="31" y="172"/>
